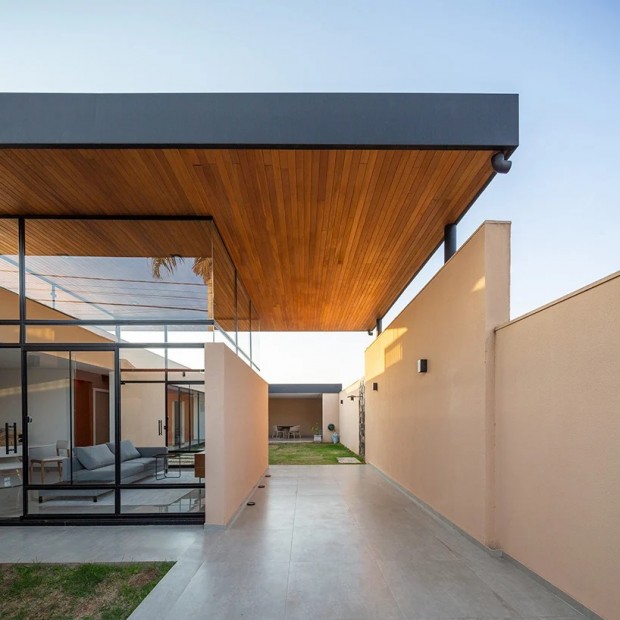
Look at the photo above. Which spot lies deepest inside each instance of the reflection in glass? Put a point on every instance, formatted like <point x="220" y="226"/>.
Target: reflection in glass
<point x="71" y="501"/>
<point x="243" y="321"/>
<point x="72" y="423"/>
<point x="172" y="500"/>
<point x="11" y="433"/>
<point x="70" y="334"/>
<point x="118" y="270"/>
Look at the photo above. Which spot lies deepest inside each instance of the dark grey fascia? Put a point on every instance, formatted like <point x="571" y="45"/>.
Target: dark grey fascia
<point x="275" y="120"/>
<point x="305" y="388"/>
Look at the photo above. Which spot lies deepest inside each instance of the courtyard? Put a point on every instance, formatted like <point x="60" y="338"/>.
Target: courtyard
<point x="327" y="541"/>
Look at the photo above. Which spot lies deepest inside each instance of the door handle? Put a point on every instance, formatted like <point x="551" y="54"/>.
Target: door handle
<point x="159" y="427"/>
<point x="7" y="445"/>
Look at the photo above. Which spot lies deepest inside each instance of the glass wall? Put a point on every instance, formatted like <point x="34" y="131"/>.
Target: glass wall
<point x="109" y="356"/>
<point x="11" y="434"/>
<point x="9" y="281"/>
<point x="71" y="455"/>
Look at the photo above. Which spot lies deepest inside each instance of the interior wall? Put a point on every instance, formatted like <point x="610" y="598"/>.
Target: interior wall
<point x="433" y="433"/>
<point x="236" y="422"/>
<point x="349" y="418"/>
<point x="558" y="444"/>
<point x="303" y="411"/>
<point x="330" y="415"/>
<point x="142" y="405"/>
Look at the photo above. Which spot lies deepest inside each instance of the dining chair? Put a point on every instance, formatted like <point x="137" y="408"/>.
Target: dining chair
<point x="277" y="432"/>
<point x="295" y="432"/>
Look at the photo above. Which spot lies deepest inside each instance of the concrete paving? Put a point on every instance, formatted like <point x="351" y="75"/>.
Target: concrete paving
<point x="333" y="542"/>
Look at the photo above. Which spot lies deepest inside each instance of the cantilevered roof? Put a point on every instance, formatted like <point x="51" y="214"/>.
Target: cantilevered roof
<point x="329" y="203"/>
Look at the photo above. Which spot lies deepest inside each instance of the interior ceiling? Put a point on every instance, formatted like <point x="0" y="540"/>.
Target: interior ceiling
<point x="323" y="239"/>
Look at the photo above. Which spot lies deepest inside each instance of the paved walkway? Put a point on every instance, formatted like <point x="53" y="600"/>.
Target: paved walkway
<point x="341" y="543"/>
<point x="333" y="542"/>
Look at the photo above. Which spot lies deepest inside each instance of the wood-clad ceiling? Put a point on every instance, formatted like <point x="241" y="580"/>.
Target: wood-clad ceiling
<point x="323" y="239"/>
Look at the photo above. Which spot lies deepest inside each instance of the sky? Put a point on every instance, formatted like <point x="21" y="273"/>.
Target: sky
<point x="562" y="57"/>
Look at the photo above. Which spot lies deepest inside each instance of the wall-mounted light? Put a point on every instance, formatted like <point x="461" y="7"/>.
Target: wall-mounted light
<point x="422" y="365"/>
<point x="375" y="387"/>
<point x="341" y="401"/>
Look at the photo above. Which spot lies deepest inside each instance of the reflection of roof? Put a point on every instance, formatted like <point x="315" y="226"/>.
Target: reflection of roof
<point x="328" y="203"/>
<point x="115" y="288"/>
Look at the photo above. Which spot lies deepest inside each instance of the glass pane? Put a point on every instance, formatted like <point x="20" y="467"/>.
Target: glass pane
<point x="118" y="270"/>
<point x="10" y="434"/>
<point x="74" y="501"/>
<point x="142" y="333"/>
<point x="243" y="323"/>
<point x="9" y="271"/>
<point x="224" y="309"/>
<point x="70" y="404"/>
<point x="70" y="334"/>
<point x="186" y="363"/>
<point x="255" y="337"/>
<point x="172" y="500"/>
<point x="186" y="418"/>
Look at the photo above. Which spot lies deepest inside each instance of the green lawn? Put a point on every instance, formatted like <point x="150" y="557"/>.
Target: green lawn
<point x="69" y="591"/>
<point x="307" y="453"/>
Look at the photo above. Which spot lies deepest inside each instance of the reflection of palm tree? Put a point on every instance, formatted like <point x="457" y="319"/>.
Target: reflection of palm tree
<point x="202" y="267"/>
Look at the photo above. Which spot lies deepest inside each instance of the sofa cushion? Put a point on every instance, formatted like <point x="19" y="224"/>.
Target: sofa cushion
<point x="94" y="457"/>
<point x="131" y="468"/>
<point x="102" y="474"/>
<point x="128" y="450"/>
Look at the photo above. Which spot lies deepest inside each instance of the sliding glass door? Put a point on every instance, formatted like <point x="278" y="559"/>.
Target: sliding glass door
<point x="70" y="454"/>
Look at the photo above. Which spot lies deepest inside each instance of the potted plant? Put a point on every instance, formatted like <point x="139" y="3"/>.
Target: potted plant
<point x="316" y="430"/>
<point x="335" y="435"/>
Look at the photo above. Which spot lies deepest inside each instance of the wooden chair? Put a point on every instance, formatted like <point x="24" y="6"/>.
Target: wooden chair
<point x="62" y="448"/>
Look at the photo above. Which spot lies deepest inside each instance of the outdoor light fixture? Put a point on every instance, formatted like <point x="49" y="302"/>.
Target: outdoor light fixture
<point x="375" y="387"/>
<point x="341" y="401"/>
<point x="422" y="365"/>
<point x="500" y="164"/>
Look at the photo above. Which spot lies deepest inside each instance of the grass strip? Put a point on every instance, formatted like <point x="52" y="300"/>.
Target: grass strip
<point x="308" y="453"/>
<point x="76" y="591"/>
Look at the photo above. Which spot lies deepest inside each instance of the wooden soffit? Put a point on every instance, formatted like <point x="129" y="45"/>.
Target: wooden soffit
<point x="324" y="236"/>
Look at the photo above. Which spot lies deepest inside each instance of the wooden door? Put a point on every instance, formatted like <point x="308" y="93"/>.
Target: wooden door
<point x="82" y="413"/>
<point x="101" y="416"/>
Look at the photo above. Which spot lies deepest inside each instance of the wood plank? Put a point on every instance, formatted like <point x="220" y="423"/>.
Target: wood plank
<point x="321" y="239"/>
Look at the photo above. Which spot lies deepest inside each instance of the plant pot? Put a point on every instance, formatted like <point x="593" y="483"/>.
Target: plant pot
<point x="318" y="438"/>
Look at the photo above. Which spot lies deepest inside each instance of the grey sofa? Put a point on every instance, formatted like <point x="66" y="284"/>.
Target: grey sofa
<point x="96" y="463"/>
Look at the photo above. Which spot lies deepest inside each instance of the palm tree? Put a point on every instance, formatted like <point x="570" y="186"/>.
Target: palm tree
<point x="202" y="267"/>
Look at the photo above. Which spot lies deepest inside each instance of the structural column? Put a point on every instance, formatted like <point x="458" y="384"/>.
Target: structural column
<point x="449" y="242"/>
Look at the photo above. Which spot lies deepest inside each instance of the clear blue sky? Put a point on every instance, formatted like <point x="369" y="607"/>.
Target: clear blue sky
<point x="562" y="57"/>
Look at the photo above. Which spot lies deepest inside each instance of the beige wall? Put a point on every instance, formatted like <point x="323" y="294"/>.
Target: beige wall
<point x="306" y="412"/>
<point x="558" y="444"/>
<point x="432" y="433"/>
<point x="349" y="418"/>
<point x="142" y="405"/>
<point x="331" y="404"/>
<point x="236" y="419"/>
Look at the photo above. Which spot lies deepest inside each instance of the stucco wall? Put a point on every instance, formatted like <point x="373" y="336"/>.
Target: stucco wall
<point x="236" y="419"/>
<point x="303" y="411"/>
<point x="432" y="433"/>
<point x="349" y="418"/>
<point x="558" y="444"/>
<point x="330" y="415"/>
